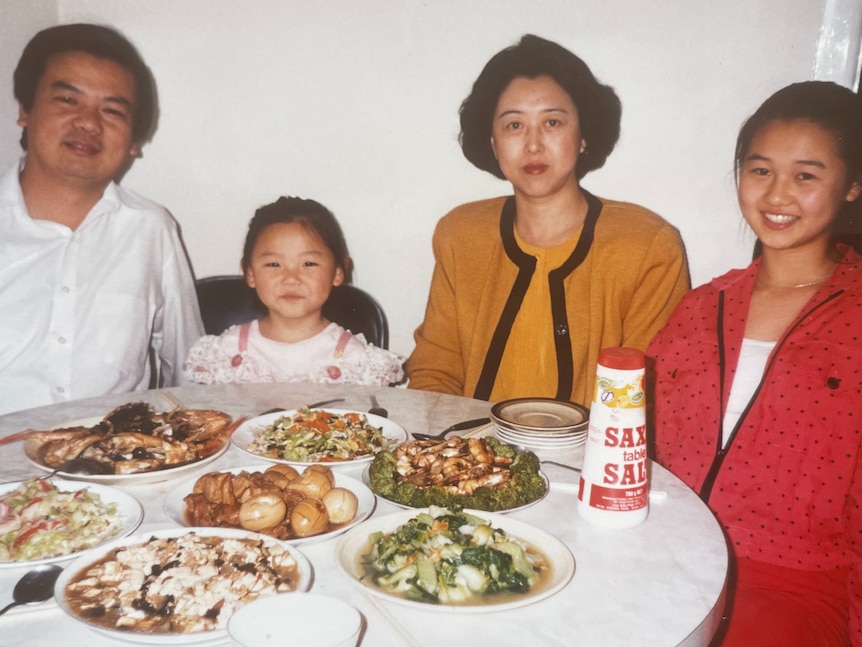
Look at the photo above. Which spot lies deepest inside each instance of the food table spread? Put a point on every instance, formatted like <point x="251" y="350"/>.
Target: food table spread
<point x="660" y="583"/>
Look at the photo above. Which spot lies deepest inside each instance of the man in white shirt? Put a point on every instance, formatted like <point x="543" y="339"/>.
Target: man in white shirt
<point x="92" y="276"/>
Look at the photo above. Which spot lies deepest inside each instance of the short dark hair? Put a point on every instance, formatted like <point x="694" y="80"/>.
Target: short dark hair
<point x="313" y="216"/>
<point x="96" y="40"/>
<point x="599" y="108"/>
<point x="833" y="108"/>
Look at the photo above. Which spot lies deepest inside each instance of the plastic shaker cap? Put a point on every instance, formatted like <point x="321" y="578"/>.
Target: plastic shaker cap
<point x="622" y="358"/>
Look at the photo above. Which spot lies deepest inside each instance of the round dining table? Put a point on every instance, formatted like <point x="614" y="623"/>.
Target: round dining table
<point x="659" y="584"/>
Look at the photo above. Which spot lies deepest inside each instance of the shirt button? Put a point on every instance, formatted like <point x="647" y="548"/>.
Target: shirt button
<point x="60" y="389"/>
<point x="62" y="340"/>
<point x="66" y="289"/>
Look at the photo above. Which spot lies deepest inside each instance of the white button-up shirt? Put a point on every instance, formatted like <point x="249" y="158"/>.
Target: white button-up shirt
<point x="80" y="310"/>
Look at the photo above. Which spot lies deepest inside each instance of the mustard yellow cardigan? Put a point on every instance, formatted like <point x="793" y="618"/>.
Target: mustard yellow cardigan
<point x="618" y="288"/>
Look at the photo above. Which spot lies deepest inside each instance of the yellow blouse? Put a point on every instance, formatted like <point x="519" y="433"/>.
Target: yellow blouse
<point x="530" y="351"/>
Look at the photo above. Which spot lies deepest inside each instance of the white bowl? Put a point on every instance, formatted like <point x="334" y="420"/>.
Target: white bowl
<point x="306" y="619"/>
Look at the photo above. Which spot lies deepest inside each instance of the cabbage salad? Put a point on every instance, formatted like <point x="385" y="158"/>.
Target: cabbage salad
<point x="450" y="557"/>
<point x="319" y="436"/>
<point x="38" y="521"/>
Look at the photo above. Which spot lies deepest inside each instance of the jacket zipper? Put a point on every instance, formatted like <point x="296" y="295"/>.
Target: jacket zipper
<point x="722" y="448"/>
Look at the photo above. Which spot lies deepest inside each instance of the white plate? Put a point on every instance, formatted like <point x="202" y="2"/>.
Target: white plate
<point x="539" y="414"/>
<point x="366" y="479"/>
<point x="128" y="508"/>
<point x="544" y="434"/>
<point x="85" y="561"/>
<point x="522" y="441"/>
<point x="31" y="445"/>
<point x="174" y="504"/>
<point x="353" y="545"/>
<point x="540" y="437"/>
<point x="242" y="437"/>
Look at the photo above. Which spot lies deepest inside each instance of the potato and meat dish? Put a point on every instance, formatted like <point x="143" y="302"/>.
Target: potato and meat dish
<point x="477" y="473"/>
<point x="133" y="438"/>
<point x="279" y="502"/>
<point x="184" y="584"/>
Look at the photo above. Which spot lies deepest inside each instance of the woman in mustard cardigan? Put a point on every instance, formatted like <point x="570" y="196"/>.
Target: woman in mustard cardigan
<point x="528" y="288"/>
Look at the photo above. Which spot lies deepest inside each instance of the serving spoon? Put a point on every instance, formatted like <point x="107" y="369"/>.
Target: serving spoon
<point x="82" y="466"/>
<point x="376" y="409"/>
<point x="36" y="586"/>
<point x="458" y="426"/>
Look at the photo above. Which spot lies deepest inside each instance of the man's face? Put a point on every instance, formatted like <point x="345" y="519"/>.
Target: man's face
<point x="79" y="128"/>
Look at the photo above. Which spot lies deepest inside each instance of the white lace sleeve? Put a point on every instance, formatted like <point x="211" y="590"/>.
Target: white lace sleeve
<point x="372" y="366"/>
<point x="217" y="360"/>
<point x="207" y="361"/>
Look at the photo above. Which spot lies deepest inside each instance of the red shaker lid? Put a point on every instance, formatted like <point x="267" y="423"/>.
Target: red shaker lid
<point x="622" y="358"/>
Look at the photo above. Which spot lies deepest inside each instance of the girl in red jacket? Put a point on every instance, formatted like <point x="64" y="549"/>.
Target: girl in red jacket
<point x="758" y="379"/>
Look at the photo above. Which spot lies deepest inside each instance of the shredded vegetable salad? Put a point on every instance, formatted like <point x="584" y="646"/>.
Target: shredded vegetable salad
<point x="319" y="437"/>
<point x="450" y="557"/>
<point x="38" y="521"/>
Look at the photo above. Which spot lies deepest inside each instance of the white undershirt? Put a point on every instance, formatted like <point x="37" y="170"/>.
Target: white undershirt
<point x="749" y="371"/>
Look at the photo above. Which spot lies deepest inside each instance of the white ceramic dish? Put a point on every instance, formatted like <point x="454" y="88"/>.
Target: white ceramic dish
<point x="305" y="578"/>
<point x="127" y="506"/>
<point x="366" y="479"/>
<point x="540" y="414"/>
<point x="545" y="434"/>
<point x="354" y="544"/>
<point x="174" y="504"/>
<point x="243" y="437"/>
<point x="533" y="442"/>
<point x="32" y="445"/>
<point x="302" y="619"/>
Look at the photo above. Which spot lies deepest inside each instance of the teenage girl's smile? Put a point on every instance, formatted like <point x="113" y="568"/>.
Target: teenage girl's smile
<point x="792" y="184"/>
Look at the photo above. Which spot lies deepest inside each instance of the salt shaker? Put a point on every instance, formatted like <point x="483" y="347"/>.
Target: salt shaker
<point x="613" y="490"/>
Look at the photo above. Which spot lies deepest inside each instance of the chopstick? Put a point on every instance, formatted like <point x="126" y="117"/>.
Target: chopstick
<point x="172" y="400"/>
<point x="478" y="431"/>
<point x="397" y="626"/>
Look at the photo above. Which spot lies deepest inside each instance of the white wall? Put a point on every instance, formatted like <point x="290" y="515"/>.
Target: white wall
<point x="355" y="104"/>
<point x="19" y="20"/>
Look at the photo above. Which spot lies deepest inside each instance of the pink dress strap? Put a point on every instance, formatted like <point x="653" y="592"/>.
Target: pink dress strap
<point x="342" y="343"/>
<point x="236" y="360"/>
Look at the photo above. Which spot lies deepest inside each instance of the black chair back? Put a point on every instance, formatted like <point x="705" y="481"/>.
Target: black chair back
<point x="227" y="300"/>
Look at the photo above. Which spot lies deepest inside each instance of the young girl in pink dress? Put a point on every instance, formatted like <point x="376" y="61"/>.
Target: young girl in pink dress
<point x="294" y="254"/>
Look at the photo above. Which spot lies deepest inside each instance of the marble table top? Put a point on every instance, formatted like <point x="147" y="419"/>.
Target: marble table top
<point x="659" y="584"/>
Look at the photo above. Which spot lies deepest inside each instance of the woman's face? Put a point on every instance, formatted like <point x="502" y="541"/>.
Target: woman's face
<point x="792" y="184"/>
<point x="536" y="136"/>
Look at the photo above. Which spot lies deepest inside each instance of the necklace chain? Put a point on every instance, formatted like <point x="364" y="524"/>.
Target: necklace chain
<point x="798" y="285"/>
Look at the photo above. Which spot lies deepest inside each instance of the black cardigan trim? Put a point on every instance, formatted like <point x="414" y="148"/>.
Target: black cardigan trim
<point x="526" y="267"/>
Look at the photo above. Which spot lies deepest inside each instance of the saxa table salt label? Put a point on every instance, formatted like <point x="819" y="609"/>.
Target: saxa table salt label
<point x="614" y="488"/>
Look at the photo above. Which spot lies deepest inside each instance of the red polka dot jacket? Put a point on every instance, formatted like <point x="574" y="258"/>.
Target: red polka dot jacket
<point x="788" y="486"/>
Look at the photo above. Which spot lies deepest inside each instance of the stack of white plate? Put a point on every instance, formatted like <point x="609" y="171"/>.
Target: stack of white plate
<point x="541" y="423"/>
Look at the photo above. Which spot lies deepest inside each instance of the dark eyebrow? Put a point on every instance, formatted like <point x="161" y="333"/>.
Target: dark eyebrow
<point x="515" y="111"/>
<point x="754" y="157"/>
<point x="65" y="85"/>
